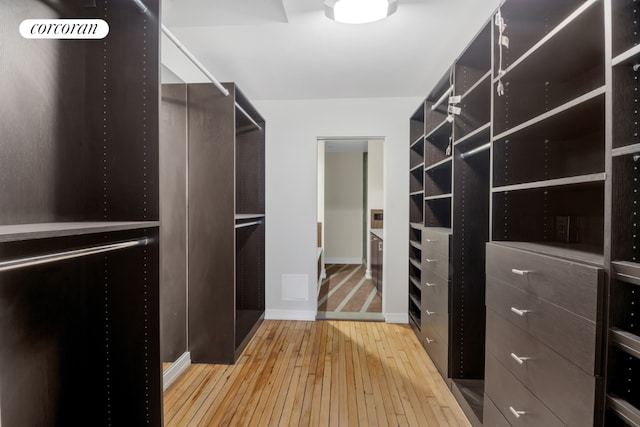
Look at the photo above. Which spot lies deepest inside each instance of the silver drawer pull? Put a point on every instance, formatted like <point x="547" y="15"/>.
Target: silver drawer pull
<point x="430" y="313"/>
<point x="519" y="359"/>
<point x="429" y="340"/>
<point x="520" y="272"/>
<point x="430" y="260"/>
<point x="520" y="312"/>
<point x="430" y="284"/>
<point x="515" y="413"/>
<point x="430" y="241"/>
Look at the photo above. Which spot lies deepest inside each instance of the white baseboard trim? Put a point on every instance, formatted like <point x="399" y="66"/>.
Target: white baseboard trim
<point x="290" y="315"/>
<point x="324" y="274"/>
<point x="396" y="317"/>
<point x="367" y="275"/>
<point x="343" y="261"/>
<point x="176" y="369"/>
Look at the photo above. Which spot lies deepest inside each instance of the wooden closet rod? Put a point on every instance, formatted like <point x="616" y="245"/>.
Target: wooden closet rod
<point x="77" y="253"/>
<point x="186" y="51"/>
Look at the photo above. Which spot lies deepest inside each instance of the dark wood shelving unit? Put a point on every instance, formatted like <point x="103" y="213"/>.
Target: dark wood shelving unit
<point x="226" y="223"/>
<point x="79" y="249"/>
<point x="525" y="165"/>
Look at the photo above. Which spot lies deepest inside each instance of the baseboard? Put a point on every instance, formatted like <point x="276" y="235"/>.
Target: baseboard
<point x="342" y="260"/>
<point x="176" y="369"/>
<point x="290" y="315"/>
<point x="396" y="317"/>
<point x="367" y="275"/>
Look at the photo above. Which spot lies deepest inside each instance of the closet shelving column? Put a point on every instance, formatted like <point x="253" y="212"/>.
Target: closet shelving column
<point x="226" y="222"/>
<point x="470" y="226"/>
<point x="79" y="173"/>
<point x="545" y="264"/>
<point x="416" y="216"/>
<point x="624" y="331"/>
<point x="436" y="234"/>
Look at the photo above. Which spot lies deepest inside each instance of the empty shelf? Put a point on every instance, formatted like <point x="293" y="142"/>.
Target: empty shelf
<point x="18" y="232"/>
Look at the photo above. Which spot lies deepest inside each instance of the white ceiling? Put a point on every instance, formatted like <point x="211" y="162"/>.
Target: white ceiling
<point x="288" y="49"/>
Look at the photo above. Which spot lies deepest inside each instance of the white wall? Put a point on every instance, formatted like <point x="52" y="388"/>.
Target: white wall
<point x="343" y="194"/>
<point x="291" y="160"/>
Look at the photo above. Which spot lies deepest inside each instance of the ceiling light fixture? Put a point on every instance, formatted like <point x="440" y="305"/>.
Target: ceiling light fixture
<point x="359" y="11"/>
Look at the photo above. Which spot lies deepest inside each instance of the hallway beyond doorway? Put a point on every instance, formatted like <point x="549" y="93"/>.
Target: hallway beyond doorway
<point x="347" y="294"/>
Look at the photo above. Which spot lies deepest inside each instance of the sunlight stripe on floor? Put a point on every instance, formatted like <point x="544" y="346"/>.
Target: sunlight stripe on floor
<point x="367" y="303"/>
<point x="333" y="291"/>
<point x="351" y="294"/>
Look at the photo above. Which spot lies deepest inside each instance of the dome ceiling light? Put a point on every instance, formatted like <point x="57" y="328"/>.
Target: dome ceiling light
<point x="359" y="11"/>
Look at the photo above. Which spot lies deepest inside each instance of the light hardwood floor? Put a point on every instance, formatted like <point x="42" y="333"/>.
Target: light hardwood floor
<point x="324" y="373"/>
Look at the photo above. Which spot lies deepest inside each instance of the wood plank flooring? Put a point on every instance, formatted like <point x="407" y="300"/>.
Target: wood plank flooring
<point x="347" y="290"/>
<point x="324" y="373"/>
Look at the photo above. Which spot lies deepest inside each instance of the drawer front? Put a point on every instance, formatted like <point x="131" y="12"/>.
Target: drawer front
<point x="492" y="416"/>
<point x="518" y="406"/>
<point x="562" y="386"/>
<point x="568" y="284"/>
<point x="576" y="339"/>
<point x="437" y="349"/>
<point x="437" y="265"/>
<point x="435" y="294"/>
<point x="435" y="243"/>
<point x="435" y="321"/>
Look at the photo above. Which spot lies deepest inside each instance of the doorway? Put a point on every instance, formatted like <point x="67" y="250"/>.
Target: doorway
<point x="350" y="189"/>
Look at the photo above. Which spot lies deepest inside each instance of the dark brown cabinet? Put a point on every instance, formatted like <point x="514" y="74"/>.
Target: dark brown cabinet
<point x="226" y="214"/>
<point x="79" y="223"/>
<point x="534" y="150"/>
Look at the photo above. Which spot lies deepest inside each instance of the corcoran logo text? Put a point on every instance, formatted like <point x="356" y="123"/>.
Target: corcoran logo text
<point x="64" y="29"/>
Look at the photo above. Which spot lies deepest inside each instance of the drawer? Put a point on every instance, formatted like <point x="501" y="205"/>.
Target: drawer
<point x="518" y="406"/>
<point x="437" y="348"/>
<point x="436" y="264"/>
<point x="569" y="284"/>
<point x="492" y="416"/>
<point x="562" y="386"/>
<point x="435" y="243"/>
<point x="436" y="321"/>
<point x="435" y="295"/>
<point x="576" y="339"/>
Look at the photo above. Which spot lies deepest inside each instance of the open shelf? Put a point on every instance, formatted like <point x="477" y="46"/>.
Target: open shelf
<point x="625" y="341"/>
<point x="625" y="17"/>
<point x="625" y="199"/>
<point x="416" y="207"/>
<point x="416" y="154"/>
<point x="470" y="394"/>
<point x="437" y="212"/>
<point x="550" y="149"/>
<point x="437" y="181"/>
<point x="437" y="103"/>
<point x="475" y="61"/>
<point x="537" y="85"/>
<point x="436" y="143"/>
<point x="415" y="232"/>
<point x="416" y="180"/>
<point x="563" y="214"/>
<point x="415" y="253"/>
<point x="416" y="124"/>
<point x="476" y="109"/>
<point x="624" y="376"/>
<point x="18" y="232"/>
<point x="529" y="22"/>
<point x="625" y="103"/>
<point x="625" y="414"/>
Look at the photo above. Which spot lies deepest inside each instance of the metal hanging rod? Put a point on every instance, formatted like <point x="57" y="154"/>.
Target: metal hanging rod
<point x="248" y="116"/>
<point x="76" y="253"/>
<point x="144" y="9"/>
<point x="442" y="98"/>
<point x="476" y="150"/>
<point x="248" y="224"/>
